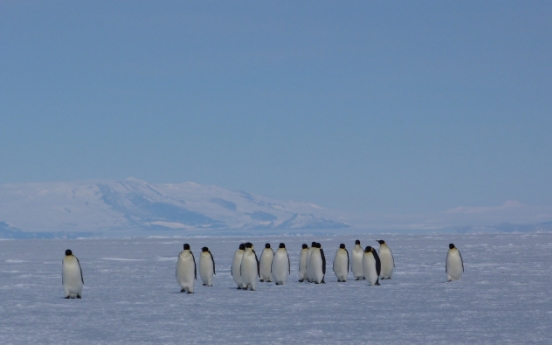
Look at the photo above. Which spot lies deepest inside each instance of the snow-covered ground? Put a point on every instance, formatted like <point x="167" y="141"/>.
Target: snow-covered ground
<point x="131" y="296"/>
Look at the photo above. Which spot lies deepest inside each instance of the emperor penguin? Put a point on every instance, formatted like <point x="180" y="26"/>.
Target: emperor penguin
<point x="371" y="266"/>
<point x="341" y="263"/>
<point x="455" y="264"/>
<point x="206" y="266"/>
<point x="317" y="264"/>
<point x="387" y="260"/>
<point x="266" y="263"/>
<point x="356" y="262"/>
<point x="303" y="263"/>
<point x="249" y="268"/>
<point x="186" y="272"/>
<point x="281" y="268"/>
<point x="308" y="275"/>
<point x="71" y="276"/>
<point x="236" y="263"/>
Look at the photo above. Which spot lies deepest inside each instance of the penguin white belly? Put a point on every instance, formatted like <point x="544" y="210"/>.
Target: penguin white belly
<point x="454" y="265"/>
<point x="341" y="265"/>
<point x="386" y="258"/>
<point x="266" y="265"/>
<point x="249" y="271"/>
<point x="315" y="264"/>
<point x="72" y="277"/>
<point x="206" y="269"/>
<point x="280" y="267"/>
<point x="308" y="275"/>
<point x="369" y="268"/>
<point x="185" y="271"/>
<point x="303" y="265"/>
<point x="356" y="264"/>
<point x="236" y="264"/>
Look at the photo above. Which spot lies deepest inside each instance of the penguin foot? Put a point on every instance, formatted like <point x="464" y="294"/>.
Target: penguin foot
<point x="190" y="292"/>
<point x="239" y="288"/>
<point x="357" y="278"/>
<point x="301" y="280"/>
<point x="262" y="281"/>
<point x="79" y="296"/>
<point x="183" y="290"/>
<point x="67" y="297"/>
<point x="204" y="284"/>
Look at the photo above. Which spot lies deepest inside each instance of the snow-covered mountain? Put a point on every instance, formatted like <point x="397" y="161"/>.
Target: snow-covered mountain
<point x="133" y="206"/>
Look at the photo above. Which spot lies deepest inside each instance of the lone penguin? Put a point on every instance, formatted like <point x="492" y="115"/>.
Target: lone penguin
<point x="206" y="266"/>
<point x="371" y="265"/>
<point x="249" y="269"/>
<point x="356" y="262"/>
<point x="281" y="267"/>
<point x="455" y="264"/>
<point x="236" y="264"/>
<point x="71" y="276"/>
<point x="341" y="263"/>
<point x="387" y="260"/>
<point x="317" y="264"/>
<point x="266" y="263"/>
<point x="186" y="272"/>
<point x="303" y="262"/>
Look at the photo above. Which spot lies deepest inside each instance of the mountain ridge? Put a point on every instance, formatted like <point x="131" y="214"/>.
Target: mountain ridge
<point x="109" y="207"/>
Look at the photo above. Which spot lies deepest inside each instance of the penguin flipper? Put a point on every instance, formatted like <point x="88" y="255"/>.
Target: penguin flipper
<point x="195" y="267"/>
<point x="80" y="269"/>
<point x="347" y="260"/>
<point x="289" y="263"/>
<point x="212" y="259"/>
<point x="323" y="261"/>
<point x="461" y="260"/>
<point x="378" y="263"/>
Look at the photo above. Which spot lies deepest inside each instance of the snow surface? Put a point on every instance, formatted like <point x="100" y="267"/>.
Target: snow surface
<point x="131" y="294"/>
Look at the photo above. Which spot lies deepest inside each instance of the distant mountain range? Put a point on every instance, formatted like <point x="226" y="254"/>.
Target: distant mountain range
<point x="133" y="207"/>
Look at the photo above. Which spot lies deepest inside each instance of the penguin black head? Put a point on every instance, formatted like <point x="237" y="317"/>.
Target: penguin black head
<point x="68" y="252"/>
<point x="186" y="246"/>
<point x="204" y="249"/>
<point x="267" y="245"/>
<point x="249" y="245"/>
<point x="380" y="241"/>
<point x="368" y="249"/>
<point x="357" y="242"/>
<point x="313" y="244"/>
<point x="304" y="246"/>
<point x="342" y="246"/>
<point x="451" y="246"/>
<point x="242" y="246"/>
<point x="282" y="245"/>
<point x="318" y="245"/>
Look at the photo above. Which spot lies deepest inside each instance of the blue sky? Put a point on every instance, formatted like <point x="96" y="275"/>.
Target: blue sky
<point x="368" y="107"/>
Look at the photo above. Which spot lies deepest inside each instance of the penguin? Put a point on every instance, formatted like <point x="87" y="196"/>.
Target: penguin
<point x="71" y="276"/>
<point x="266" y="263"/>
<point x="317" y="264"/>
<point x="455" y="265"/>
<point x="387" y="260"/>
<point x="186" y="272"/>
<point x="371" y="266"/>
<point x="356" y="262"/>
<point x="281" y="268"/>
<point x="341" y="263"/>
<point x="206" y="267"/>
<point x="249" y="268"/>
<point x="236" y="263"/>
<point x="303" y="262"/>
<point x="309" y="269"/>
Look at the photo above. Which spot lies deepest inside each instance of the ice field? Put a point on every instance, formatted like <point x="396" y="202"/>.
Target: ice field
<point x="131" y="295"/>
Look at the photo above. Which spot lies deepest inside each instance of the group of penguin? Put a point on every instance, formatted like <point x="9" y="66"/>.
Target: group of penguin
<point x="366" y="264"/>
